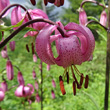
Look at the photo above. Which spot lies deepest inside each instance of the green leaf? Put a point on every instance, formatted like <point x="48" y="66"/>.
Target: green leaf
<point x="24" y="31"/>
<point x="92" y="18"/>
<point x="7" y="28"/>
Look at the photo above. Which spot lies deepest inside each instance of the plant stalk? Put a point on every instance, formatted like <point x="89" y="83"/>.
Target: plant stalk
<point x="41" y="71"/>
<point x="107" y="75"/>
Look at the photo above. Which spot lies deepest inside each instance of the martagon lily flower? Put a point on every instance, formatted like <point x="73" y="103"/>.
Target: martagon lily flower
<point x="75" y="48"/>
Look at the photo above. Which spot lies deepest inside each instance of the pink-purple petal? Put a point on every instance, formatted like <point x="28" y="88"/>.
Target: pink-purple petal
<point x="43" y="45"/>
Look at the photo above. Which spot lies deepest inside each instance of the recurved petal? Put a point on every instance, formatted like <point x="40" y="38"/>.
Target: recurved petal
<point x="43" y="45"/>
<point x="16" y="16"/>
<point x="86" y="50"/>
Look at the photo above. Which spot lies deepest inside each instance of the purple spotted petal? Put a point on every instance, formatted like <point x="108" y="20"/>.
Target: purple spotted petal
<point x="69" y="51"/>
<point x="89" y="37"/>
<point x="43" y="45"/>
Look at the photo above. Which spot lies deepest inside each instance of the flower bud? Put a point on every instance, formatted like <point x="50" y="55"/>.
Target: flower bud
<point x="2" y="94"/>
<point x="103" y="18"/>
<point x="36" y="85"/>
<point x="34" y="74"/>
<point x="4" y="86"/>
<point x="53" y="83"/>
<point x="12" y="45"/>
<point x="48" y="67"/>
<point x="53" y="94"/>
<point x="82" y="17"/>
<point x="9" y="70"/>
<point x="34" y="58"/>
<point x="38" y="98"/>
<point x="33" y="2"/>
<point x="20" y="78"/>
<point x="4" y="54"/>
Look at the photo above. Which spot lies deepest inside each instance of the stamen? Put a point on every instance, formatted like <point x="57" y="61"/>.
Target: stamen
<point x="77" y="71"/>
<point x="62" y="85"/>
<point x="86" y="81"/>
<point x="74" y="87"/>
<point x="78" y="85"/>
<point x="81" y="79"/>
<point x="65" y="71"/>
<point x="67" y="75"/>
<point x="27" y="48"/>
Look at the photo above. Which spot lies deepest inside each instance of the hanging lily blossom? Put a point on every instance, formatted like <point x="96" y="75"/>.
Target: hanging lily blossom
<point x="4" y="86"/>
<point x="12" y="45"/>
<point x="4" y="4"/>
<point x="34" y="58"/>
<point x="103" y="18"/>
<point x="82" y="16"/>
<point x="2" y="94"/>
<point x="24" y="91"/>
<point x="75" y="48"/>
<point x="9" y="70"/>
<point x="20" y="78"/>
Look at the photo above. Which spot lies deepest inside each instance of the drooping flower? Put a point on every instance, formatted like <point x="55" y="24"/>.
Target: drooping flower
<point x="2" y="94"/>
<point x="75" y="48"/>
<point x="20" y="78"/>
<point x="4" y="4"/>
<point x="82" y="16"/>
<point x="12" y="45"/>
<point x="9" y="70"/>
<point x="103" y="18"/>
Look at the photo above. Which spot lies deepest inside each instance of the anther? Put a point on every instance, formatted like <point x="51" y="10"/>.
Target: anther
<point x="74" y="87"/>
<point x="86" y="81"/>
<point x="67" y="75"/>
<point x="81" y="79"/>
<point x="62" y="85"/>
